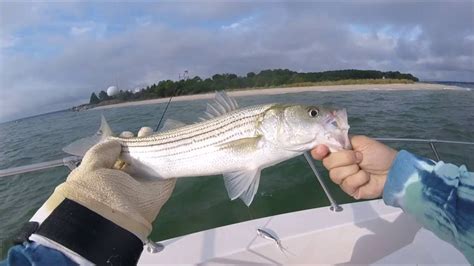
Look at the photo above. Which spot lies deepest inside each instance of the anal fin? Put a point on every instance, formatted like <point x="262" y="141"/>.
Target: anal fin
<point x="242" y="184"/>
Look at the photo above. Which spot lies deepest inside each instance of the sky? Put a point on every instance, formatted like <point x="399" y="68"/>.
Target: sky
<point x="53" y="55"/>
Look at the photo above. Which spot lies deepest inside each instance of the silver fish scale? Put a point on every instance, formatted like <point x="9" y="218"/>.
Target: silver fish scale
<point x="197" y="138"/>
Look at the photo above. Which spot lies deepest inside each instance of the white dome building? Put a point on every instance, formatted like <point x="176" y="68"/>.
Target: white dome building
<point x="112" y="91"/>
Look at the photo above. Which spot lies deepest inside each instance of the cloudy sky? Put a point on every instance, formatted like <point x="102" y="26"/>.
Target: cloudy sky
<point x="53" y="55"/>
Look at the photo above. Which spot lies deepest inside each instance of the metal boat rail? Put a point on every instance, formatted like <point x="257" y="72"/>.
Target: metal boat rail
<point x="73" y="161"/>
<point x="431" y="142"/>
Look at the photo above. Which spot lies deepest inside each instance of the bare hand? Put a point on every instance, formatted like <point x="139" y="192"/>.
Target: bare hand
<point x="360" y="172"/>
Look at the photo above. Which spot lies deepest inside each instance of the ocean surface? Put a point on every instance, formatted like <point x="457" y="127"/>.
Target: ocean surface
<point x="200" y="203"/>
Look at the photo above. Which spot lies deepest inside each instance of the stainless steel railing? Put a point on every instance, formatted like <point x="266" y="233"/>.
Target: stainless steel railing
<point x="334" y="206"/>
<point x="431" y="142"/>
<point x="71" y="162"/>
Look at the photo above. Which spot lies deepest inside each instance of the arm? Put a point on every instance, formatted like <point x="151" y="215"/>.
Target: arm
<point x="99" y="215"/>
<point x="439" y="195"/>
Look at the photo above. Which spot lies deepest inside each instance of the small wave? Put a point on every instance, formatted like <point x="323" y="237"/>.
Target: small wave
<point x="356" y="120"/>
<point x="266" y="194"/>
<point x="455" y="88"/>
<point x="419" y="108"/>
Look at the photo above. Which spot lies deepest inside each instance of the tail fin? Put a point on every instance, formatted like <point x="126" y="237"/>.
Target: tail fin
<point x="81" y="146"/>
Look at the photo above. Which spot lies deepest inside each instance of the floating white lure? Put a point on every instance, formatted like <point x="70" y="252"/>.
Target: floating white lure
<point x="267" y="235"/>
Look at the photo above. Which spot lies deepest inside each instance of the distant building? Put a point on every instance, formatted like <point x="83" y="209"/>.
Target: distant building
<point x="112" y="91"/>
<point x="185" y="75"/>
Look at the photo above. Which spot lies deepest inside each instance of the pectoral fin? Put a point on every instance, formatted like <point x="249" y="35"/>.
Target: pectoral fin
<point x="243" y="145"/>
<point x="242" y="184"/>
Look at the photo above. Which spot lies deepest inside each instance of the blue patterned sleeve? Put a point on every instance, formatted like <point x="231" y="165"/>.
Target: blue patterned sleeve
<point x="440" y="196"/>
<point x="31" y="253"/>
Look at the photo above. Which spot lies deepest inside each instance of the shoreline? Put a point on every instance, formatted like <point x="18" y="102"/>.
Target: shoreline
<point x="284" y="90"/>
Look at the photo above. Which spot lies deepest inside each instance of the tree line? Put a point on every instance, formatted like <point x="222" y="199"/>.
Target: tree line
<point x="227" y="81"/>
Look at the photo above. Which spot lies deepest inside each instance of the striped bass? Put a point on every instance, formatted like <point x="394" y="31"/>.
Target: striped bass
<point x="237" y="143"/>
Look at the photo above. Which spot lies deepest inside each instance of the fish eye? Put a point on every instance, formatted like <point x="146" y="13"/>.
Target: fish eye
<point x="313" y="112"/>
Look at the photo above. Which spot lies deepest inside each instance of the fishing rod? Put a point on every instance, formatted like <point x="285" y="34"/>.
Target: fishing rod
<point x="163" y="114"/>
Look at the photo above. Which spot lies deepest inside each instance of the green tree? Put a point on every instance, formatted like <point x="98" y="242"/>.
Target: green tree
<point x="103" y="96"/>
<point x="124" y="95"/>
<point x="94" y="99"/>
<point x="265" y="78"/>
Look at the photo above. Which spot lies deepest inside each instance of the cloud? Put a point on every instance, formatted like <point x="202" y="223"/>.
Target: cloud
<point x="63" y="52"/>
<point x="144" y="21"/>
<point x="241" y="25"/>
<point x="8" y="41"/>
<point x="89" y="28"/>
<point x="80" y="30"/>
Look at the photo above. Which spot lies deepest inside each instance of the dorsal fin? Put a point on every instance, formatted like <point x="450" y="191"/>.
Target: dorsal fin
<point x="221" y="105"/>
<point x="81" y="146"/>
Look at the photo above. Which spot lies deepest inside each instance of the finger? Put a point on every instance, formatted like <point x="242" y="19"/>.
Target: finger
<point x="102" y="155"/>
<point x="352" y="184"/>
<point x="371" y="190"/>
<point x="342" y="158"/>
<point x="126" y="135"/>
<point x="359" y="141"/>
<point x="319" y="152"/>
<point x="338" y="174"/>
<point x="145" y="131"/>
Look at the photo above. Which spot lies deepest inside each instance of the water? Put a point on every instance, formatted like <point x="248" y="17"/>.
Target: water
<point x="200" y="203"/>
<point x="463" y="85"/>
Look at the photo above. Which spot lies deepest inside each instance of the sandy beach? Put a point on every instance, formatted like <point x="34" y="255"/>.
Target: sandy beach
<point x="283" y="90"/>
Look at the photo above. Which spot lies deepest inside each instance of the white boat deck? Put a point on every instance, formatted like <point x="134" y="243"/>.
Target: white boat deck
<point x="363" y="233"/>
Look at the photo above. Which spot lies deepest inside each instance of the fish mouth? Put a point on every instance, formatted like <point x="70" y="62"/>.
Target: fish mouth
<point x="337" y="130"/>
<point x="337" y="141"/>
<point x="343" y="138"/>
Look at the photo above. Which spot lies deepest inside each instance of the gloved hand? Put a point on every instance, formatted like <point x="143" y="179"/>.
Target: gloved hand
<point x="129" y="202"/>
